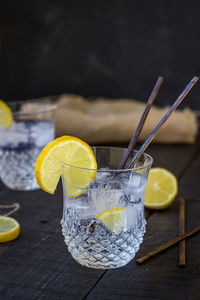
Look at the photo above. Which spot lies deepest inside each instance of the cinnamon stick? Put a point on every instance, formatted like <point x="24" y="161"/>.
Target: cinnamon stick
<point x="167" y="245"/>
<point x="162" y="121"/>
<point x="182" y="244"/>
<point x="141" y="122"/>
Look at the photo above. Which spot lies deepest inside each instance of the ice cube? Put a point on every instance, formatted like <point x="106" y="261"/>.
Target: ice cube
<point x="131" y="216"/>
<point x="135" y="180"/>
<point x="43" y="133"/>
<point x="14" y="136"/>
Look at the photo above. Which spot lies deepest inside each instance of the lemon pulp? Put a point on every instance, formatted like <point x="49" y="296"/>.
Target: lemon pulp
<point x="71" y="151"/>
<point x="112" y="218"/>
<point x="9" y="229"/>
<point x="6" y="117"/>
<point x="161" y="189"/>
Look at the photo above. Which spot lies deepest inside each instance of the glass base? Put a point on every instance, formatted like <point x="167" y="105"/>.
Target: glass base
<point x="101" y="248"/>
<point x="101" y="266"/>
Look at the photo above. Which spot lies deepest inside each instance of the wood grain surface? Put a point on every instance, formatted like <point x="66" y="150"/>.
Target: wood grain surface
<point x="160" y="278"/>
<point x="182" y="244"/>
<point x="38" y="266"/>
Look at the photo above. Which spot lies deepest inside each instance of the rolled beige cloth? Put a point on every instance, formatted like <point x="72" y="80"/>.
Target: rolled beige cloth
<point x="109" y="121"/>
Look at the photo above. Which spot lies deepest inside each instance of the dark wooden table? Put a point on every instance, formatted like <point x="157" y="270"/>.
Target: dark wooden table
<point x="38" y="266"/>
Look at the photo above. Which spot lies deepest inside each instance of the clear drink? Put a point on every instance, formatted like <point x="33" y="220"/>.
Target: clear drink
<point x="22" y="143"/>
<point x="89" y="240"/>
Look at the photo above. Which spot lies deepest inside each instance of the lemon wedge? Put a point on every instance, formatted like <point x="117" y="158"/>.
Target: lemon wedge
<point x="9" y="229"/>
<point x="112" y="218"/>
<point x="161" y="190"/>
<point x="6" y="117"/>
<point x="71" y="151"/>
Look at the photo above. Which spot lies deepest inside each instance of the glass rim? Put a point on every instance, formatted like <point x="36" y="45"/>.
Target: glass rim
<point x="113" y="170"/>
<point x="41" y="111"/>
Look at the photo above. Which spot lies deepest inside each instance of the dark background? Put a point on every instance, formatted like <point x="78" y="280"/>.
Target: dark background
<point x="99" y="48"/>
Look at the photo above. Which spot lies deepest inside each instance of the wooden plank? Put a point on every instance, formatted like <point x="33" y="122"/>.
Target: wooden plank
<point x="37" y="265"/>
<point x="175" y="158"/>
<point x="160" y="277"/>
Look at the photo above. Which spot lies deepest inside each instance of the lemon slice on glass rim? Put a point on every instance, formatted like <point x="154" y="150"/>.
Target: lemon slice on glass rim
<point x="6" y="117"/>
<point x="161" y="189"/>
<point x="112" y="218"/>
<point x="79" y="171"/>
<point x="9" y="229"/>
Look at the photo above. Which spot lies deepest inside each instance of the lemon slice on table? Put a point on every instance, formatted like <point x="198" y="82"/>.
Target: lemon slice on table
<point x="161" y="190"/>
<point x="71" y="151"/>
<point x="112" y="218"/>
<point x="9" y="229"/>
<point x="6" y="117"/>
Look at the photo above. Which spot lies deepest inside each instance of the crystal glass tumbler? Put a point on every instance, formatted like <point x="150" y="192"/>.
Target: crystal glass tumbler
<point x="32" y="128"/>
<point x="103" y="226"/>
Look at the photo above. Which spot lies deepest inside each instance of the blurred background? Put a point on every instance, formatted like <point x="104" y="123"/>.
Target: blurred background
<point x="114" y="48"/>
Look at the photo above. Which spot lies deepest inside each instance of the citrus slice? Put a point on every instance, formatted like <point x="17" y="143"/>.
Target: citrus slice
<point x="112" y="218"/>
<point x="9" y="229"/>
<point x="73" y="152"/>
<point x="161" y="190"/>
<point x="6" y="117"/>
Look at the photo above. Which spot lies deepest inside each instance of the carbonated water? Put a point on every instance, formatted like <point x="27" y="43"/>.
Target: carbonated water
<point x="20" y="147"/>
<point x="89" y="240"/>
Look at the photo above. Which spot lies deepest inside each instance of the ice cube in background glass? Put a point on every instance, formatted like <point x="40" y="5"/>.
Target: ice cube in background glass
<point x="43" y="133"/>
<point x="17" y="134"/>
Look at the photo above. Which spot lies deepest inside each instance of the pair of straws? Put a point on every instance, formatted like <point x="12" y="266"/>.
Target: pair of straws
<point x="157" y="128"/>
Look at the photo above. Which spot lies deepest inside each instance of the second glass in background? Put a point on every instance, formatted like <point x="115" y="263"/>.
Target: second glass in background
<point x="33" y="127"/>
